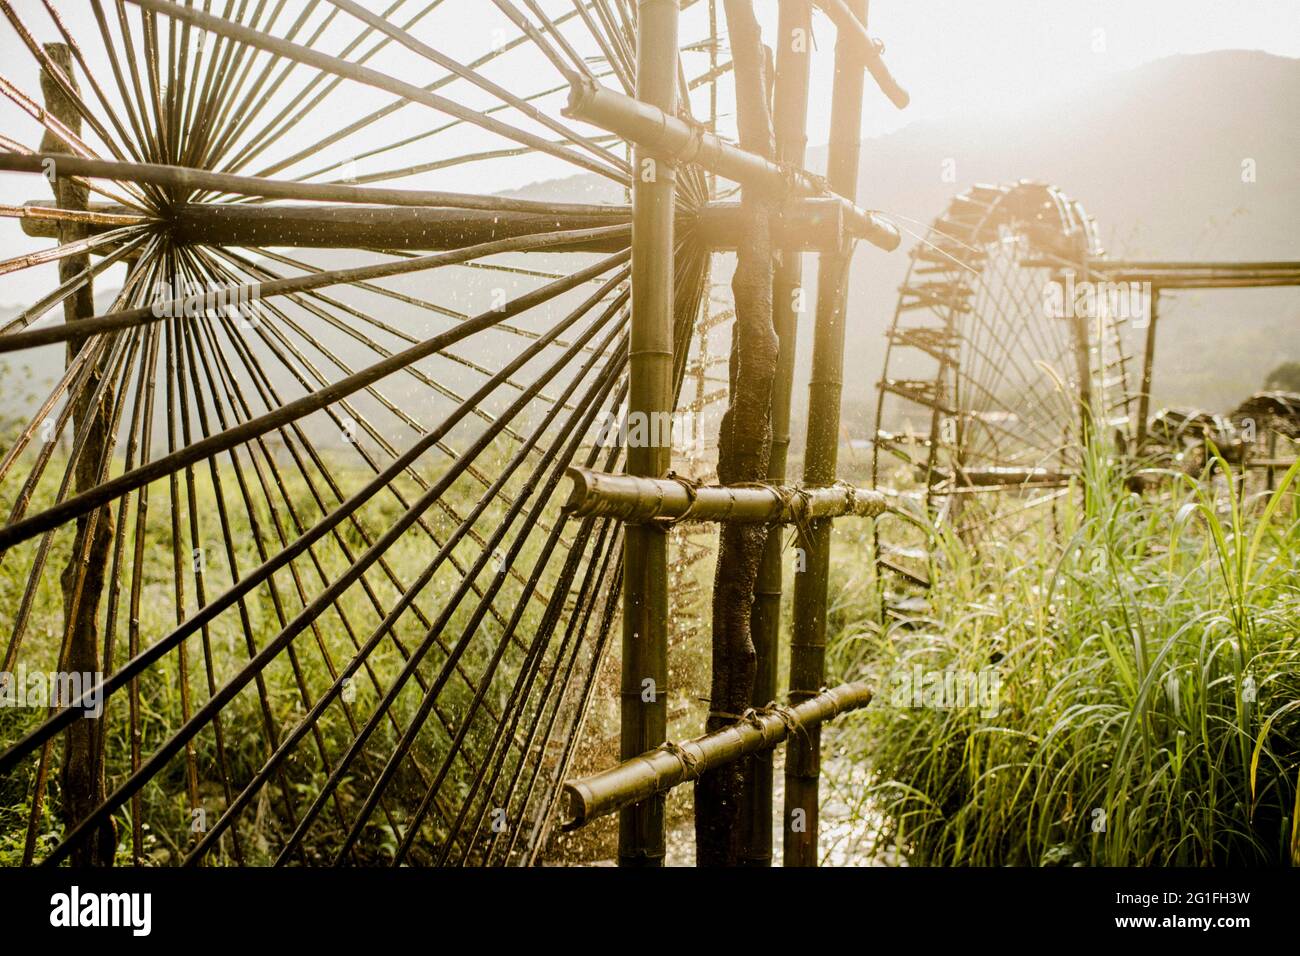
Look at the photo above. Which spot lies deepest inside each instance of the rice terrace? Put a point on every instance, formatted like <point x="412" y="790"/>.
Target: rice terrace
<point x="570" y="433"/>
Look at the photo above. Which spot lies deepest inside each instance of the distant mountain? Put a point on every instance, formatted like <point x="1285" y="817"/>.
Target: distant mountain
<point x="583" y="187"/>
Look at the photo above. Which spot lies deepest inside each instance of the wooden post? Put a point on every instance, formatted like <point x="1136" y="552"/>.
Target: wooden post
<point x="1148" y="358"/>
<point x="790" y="118"/>
<point x="744" y="447"/>
<point x="81" y="775"/>
<point x="808" y="641"/>
<point x="644" y="711"/>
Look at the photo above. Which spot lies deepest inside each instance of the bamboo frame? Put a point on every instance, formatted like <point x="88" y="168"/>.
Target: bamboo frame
<point x="228" y="395"/>
<point x="1186" y="275"/>
<point x="657" y="771"/>
<point x="229" y="405"/>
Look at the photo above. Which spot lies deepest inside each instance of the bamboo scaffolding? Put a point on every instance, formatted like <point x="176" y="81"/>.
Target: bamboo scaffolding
<point x="657" y="771"/>
<point x="644" y="680"/>
<point x="808" y="639"/>
<point x="635" y="499"/>
<point x="645" y="124"/>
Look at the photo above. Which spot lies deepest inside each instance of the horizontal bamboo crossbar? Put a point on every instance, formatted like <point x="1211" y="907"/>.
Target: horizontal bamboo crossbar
<point x="635" y="499"/>
<point x="815" y="224"/>
<point x="674" y="764"/>
<point x="1186" y="274"/>
<point x="188" y="179"/>
<point x="44" y="218"/>
<point x="1002" y="477"/>
<point x="652" y="128"/>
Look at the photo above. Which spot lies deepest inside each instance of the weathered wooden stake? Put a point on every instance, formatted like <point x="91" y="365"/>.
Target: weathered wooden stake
<point x="644" y="711"/>
<point x="808" y="641"/>
<point x="744" y="447"/>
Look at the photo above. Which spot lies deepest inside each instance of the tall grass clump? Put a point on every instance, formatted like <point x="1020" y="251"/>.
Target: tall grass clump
<point x="1145" y="667"/>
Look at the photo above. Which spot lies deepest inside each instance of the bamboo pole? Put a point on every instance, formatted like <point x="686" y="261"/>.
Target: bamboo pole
<point x="642" y="123"/>
<point x="808" y="640"/>
<point x="641" y="500"/>
<point x="379" y="227"/>
<point x="657" y="771"/>
<point x="83" y="580"/>
<point x="1148" y="361"/>
<point x="813" y="224"/>
<point x="1001" y="477"/>
<point x="744" y="444"/>
<point x="187" y="179"/>
<point x="854" y="31"/>
<point x="790" y="121"/>
<point x="644" y="685"/>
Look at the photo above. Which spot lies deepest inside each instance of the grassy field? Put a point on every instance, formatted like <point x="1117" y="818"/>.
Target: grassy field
<point x="1137" y="662"/>
<point x="213" y="656"/>
<point x="1144" y="660"/>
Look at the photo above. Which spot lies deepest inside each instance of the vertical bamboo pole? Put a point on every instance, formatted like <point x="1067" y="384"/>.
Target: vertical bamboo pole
<point x="808" y="641"/>
<point x="1083" y="332"/>
<point x="790" y="116"/>
<point x="744" y="446"/>
<point x="81" y="775"/>
<point x="644" y="712"/>
<point x="1148" y="359"/>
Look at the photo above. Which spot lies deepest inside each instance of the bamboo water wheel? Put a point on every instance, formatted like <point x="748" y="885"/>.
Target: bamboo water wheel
<point x="292" y="486"/>
<point x="985" y="390"/>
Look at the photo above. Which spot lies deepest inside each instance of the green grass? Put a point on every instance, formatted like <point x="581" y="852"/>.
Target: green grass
<point x="322" y="651"/>
<point x="1147" y="658"/>
<point x="1128" y="636"/>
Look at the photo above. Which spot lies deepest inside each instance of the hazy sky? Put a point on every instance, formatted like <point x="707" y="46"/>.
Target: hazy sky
<point x="968" y="56"/>
<point x="954" y="56"/>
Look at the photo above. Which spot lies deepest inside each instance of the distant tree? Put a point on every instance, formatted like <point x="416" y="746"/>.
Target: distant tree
<point x="1285" y="378"/>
